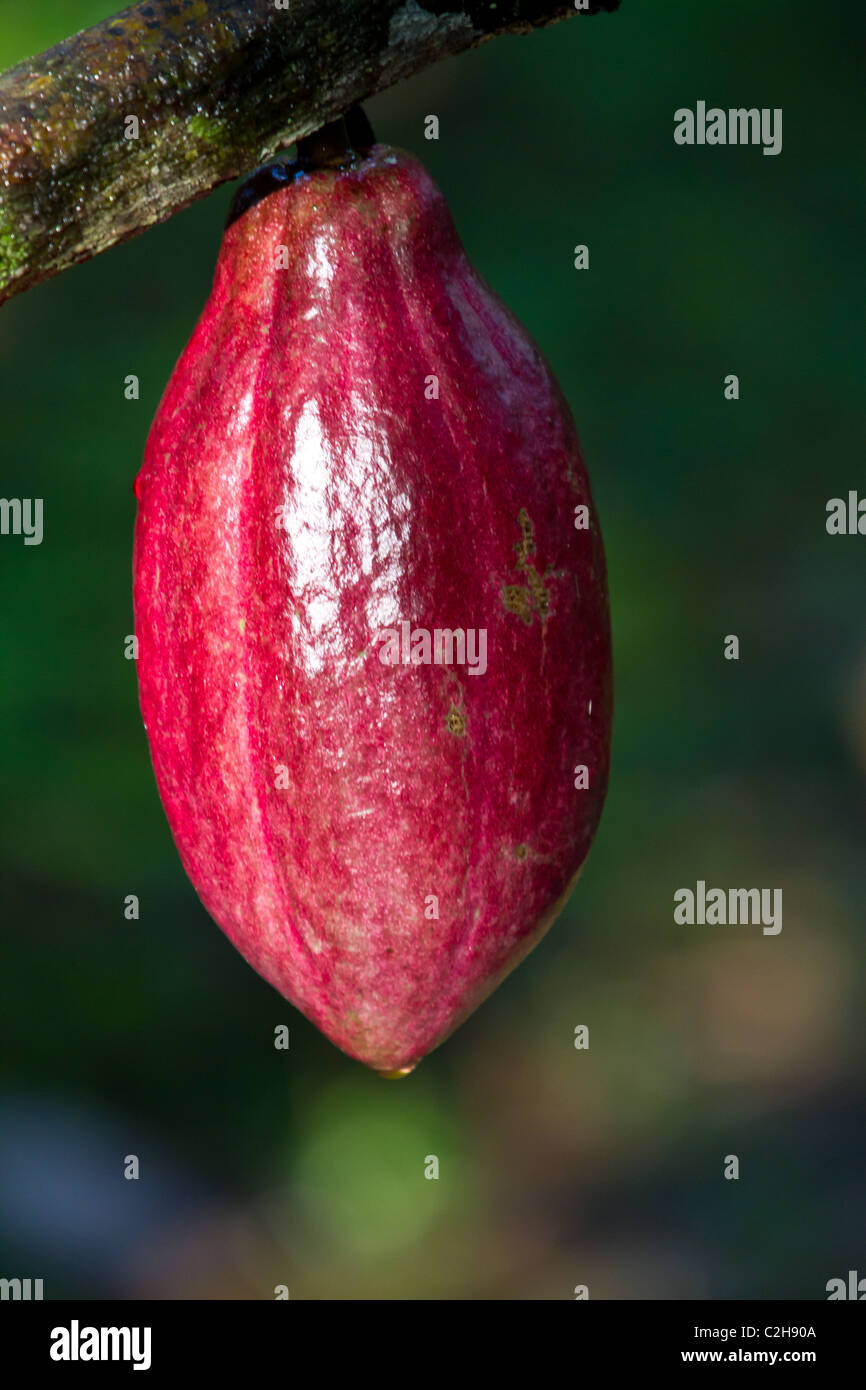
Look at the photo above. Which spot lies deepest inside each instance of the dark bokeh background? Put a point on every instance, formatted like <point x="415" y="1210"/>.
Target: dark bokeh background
<point x="558" y="1167"/>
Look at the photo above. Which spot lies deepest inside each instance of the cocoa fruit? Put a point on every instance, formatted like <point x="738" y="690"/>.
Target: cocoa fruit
<point x="370" y="598"/>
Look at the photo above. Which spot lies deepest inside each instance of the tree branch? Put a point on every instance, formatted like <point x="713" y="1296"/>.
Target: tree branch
<point x="217" y="86"/>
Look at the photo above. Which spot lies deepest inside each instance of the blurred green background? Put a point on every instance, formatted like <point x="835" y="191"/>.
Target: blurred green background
<point x="557" y="1167"/>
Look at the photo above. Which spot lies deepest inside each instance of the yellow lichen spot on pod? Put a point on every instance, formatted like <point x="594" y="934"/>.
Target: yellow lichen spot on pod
<point x="455" y="721"/>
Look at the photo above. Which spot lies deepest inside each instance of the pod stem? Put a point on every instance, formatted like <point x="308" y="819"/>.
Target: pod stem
<point x="336" y="143"/>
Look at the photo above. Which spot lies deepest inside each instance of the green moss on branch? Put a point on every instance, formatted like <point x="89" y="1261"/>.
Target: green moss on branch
<point x="215" y="89"/>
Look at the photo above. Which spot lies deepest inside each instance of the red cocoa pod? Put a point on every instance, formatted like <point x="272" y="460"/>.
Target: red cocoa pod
<point x="359" y="449"/>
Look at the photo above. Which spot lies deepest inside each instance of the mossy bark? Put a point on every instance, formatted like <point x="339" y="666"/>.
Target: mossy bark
<point x="216" y="88"/>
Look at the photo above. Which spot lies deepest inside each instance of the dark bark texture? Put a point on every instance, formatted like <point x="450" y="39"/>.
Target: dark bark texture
<point x="216" y="88"/>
